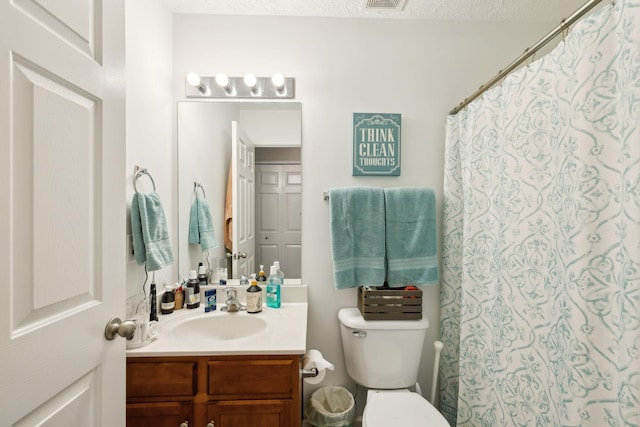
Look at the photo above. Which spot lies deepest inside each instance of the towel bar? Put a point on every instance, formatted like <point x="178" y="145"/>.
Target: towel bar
<point x="139" y="172"/>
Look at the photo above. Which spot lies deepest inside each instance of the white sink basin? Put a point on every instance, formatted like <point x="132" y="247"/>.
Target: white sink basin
<point x="225" y="327"/>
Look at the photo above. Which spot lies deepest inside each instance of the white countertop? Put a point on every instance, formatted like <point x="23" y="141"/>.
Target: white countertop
<point x="285" y="331"/>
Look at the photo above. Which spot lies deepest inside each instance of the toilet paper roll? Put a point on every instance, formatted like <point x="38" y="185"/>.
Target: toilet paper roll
<point x="314" y="359"/>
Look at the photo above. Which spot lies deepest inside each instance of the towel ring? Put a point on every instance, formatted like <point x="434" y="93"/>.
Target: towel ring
<point x="138" y="174"/>
<point x="197" y="185"/>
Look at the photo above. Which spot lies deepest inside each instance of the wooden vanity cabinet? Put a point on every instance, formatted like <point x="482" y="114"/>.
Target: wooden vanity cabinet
<point x="214" y="391"/>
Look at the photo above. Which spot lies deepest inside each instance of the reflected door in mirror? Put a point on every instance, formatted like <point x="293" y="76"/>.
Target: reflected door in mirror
<point x="279" y="216"/>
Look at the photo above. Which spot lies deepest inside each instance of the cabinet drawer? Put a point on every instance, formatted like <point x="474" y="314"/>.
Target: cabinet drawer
<point x="164" y="414"/>
<point x="242" y="378"/>
<point x="150" y="379"/>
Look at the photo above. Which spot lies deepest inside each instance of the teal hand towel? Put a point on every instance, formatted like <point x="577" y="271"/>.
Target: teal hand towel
<point x="151" y="243"/>
<point x="410" y="216"/>
<point x="357" y="236"/>
<point x="201" y="225"/>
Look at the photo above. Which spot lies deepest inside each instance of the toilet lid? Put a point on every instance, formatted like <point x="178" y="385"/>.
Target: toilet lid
<point x="401" y="409"/>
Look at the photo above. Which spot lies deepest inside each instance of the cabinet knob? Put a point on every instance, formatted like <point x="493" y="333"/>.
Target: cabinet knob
<point x="211" y="424"/>
<point x="184" y="424"/>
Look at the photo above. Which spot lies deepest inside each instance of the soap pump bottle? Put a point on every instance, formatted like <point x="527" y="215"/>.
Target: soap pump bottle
<point x="254" y="298"/>
<point x="273" y="288"/>
<point x="261" y="277"/>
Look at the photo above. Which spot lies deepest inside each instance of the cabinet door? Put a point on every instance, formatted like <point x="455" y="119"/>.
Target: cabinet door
<point x="254" y="413"/>
<point x="163" y="414"/>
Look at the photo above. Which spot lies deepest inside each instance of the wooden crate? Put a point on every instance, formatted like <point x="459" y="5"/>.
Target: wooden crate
<point x="389" y="304"/>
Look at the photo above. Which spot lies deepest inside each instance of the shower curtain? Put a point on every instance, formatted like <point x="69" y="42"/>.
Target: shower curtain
<point x="540" y="299"/>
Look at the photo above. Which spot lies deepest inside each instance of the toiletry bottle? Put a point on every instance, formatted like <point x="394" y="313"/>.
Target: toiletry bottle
<point x="153" y="304"/>
<point x="261" y="277"/>
<point x="209" y="300"/>
<point x="168" y="303"/>
<point x="192" y="292"/>
<point x="202" y="275"/>
<point x="254" y="298"/>
<point x="179" y="297"/>
<point x="280" y="272"/>
<point x="273" y="288"/>
<point x="244" y="280"/>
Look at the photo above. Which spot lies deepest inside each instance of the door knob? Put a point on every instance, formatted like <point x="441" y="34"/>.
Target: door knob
<point x="116" y="326"/>
<point x="211" y="424"/>
<point x="241" y="255"/>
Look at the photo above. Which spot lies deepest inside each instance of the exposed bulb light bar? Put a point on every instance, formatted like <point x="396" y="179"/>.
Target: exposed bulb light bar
<point x="194" y="80"/>
<point x="248" y="86"/>
<point x="278" y="81"/>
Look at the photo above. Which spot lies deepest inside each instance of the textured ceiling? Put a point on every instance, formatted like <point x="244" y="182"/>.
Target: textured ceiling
<point x="460" y="10"/>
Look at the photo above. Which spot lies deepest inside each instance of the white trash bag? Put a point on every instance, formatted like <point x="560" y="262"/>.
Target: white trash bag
<point x="331" y="406"/>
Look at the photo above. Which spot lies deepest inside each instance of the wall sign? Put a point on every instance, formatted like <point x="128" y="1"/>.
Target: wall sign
<point x="376" y="144"/>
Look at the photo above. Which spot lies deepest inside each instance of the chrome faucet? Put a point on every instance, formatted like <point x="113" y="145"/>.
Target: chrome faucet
<point x="232" y="304"/>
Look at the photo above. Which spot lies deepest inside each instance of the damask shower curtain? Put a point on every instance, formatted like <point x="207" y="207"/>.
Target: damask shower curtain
<point x="540" y="300"/>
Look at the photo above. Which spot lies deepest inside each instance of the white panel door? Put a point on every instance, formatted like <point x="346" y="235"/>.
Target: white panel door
<point x="62" y="212"/>
<point x="243" y="163"/>
<point x="279" y="216"/>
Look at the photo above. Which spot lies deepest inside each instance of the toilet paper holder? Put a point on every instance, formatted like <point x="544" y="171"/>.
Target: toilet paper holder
<point x="309" y="373"/>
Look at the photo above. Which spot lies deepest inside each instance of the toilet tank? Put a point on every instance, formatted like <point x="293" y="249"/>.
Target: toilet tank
<point x="382" y="354"/>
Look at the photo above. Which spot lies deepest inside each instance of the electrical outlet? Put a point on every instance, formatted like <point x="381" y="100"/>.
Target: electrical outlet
<point x="130" y="255"/>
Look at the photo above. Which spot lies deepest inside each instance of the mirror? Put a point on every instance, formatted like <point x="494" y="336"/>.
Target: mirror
<point x="204" y="157"/>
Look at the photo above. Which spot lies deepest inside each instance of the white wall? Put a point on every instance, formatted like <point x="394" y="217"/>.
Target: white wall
<point x="416" y="68"/>
<point x="151" y="115"/>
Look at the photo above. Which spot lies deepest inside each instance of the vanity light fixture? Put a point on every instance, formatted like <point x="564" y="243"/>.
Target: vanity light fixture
<point x="252" y="83"/>
<point x="223" y="81"/>
<point x="249" y="86"/>
<point x="195" y="81"/>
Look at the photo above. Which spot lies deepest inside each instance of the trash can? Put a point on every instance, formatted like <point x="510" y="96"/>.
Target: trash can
<point x="330" y="406"/>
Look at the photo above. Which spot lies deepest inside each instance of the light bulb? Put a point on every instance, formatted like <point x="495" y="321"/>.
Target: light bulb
<point x="250" y="80"/>
<point x="193" y="79"/>
<point x="278" y="80"/>
<point x="222" y="80"/>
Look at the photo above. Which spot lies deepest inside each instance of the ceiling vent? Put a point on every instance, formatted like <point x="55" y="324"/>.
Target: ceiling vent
<point x="385" y="4"/>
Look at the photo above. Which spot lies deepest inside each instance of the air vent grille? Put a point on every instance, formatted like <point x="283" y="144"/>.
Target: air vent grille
<point x="385" y="4"/>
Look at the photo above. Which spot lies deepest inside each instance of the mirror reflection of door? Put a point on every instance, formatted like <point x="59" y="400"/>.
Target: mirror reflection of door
<point x="243" y="199"/>
<point x="204" y="157"/>
<point x="279" y="213"/>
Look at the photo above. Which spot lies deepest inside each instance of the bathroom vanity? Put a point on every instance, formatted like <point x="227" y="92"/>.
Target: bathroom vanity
<point x="216" y="391"/>
<point x="221" y="369"/>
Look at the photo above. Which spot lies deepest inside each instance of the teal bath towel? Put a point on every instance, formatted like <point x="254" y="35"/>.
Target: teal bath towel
<point x="151" y="243"/>
<point x="357" y="236"/>
<point x="201" y="225"/>
<point x="411" y="236"/>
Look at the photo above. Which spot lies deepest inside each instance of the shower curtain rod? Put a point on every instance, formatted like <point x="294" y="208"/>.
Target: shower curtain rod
<point x="564" y="24"/>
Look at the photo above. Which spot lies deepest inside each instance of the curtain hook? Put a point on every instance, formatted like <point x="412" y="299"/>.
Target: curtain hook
<point x="565" y="30"/>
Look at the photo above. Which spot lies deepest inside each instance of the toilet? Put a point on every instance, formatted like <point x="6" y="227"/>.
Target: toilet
<point x="384" y="356"/>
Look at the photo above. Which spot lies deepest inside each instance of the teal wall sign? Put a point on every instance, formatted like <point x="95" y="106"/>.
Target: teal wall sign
<point x="376" y="144"/>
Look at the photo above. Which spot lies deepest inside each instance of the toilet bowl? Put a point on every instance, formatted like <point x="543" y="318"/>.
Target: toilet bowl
<point x="400" y="408"/>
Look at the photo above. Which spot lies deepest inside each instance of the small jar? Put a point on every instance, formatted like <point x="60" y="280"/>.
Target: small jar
<point x="179" y="298"/>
